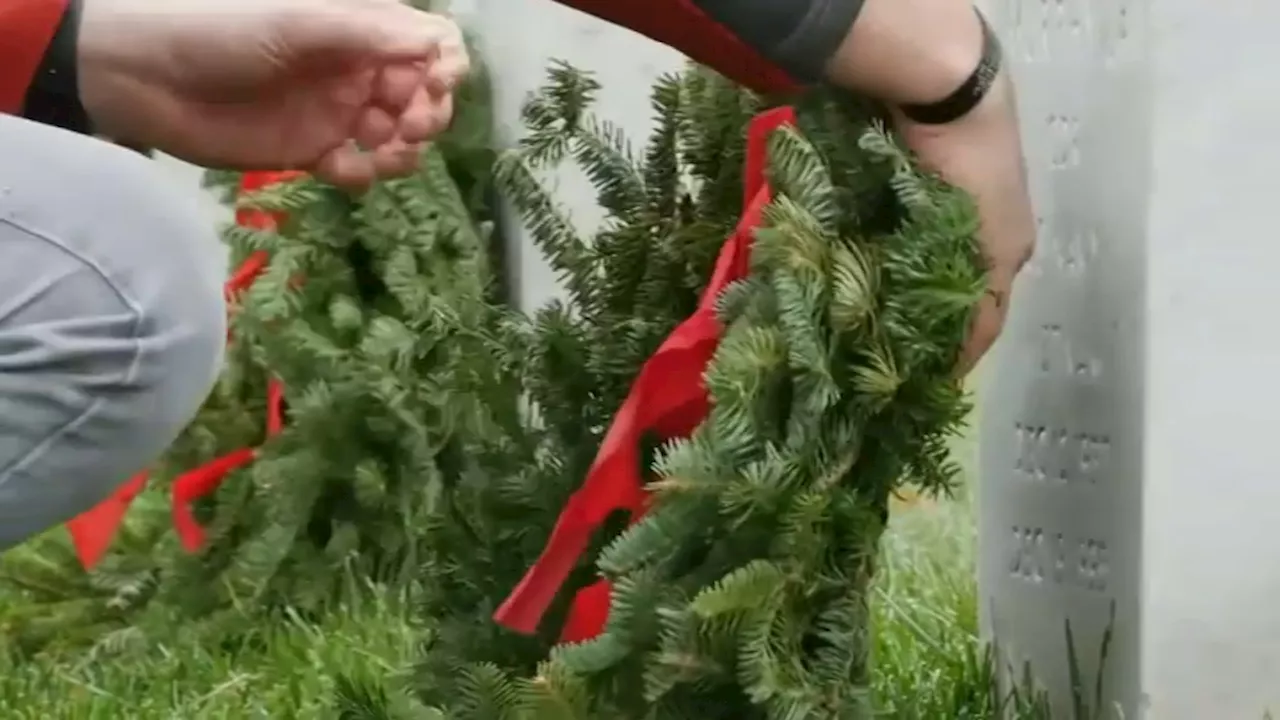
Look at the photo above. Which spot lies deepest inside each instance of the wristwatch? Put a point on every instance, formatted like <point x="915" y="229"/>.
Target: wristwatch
<point x="53" y="97"/>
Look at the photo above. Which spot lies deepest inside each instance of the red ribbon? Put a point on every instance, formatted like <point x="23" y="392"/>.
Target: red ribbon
<point x="669" y="398"/>
<point x="244" y="275"/>
<point x="92" y="531"/>
<point x="275" y="407"/>
<point x="191" y="486"/>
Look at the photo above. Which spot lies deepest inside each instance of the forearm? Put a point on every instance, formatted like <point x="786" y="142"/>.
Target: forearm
<point x="908" y="51"/>
<point x="920" y="52"/>
<point x="921" y="58"/>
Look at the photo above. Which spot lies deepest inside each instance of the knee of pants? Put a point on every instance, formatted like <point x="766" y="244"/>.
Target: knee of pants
<point x="112" y="321"/>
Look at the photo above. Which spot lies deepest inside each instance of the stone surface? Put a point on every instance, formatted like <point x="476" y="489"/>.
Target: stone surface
<point x="1125" y="455"/>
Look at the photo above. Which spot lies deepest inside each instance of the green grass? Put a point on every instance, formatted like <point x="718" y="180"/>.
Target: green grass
<point x="929" y="664"/>
<point x="928" y="661"/>
<point x="289" y="670"/>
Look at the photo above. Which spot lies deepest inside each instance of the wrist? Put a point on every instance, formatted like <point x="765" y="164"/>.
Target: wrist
<point x="135" y="60"/>
<point x="97" y="64"/>
<point x="109" y="90"/>
<point x="910" y="52"/>
<point x="115" y="87"/>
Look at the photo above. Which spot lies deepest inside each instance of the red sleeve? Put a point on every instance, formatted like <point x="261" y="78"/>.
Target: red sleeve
<point x="683" y="26"/>
<point x="26" y="28"/>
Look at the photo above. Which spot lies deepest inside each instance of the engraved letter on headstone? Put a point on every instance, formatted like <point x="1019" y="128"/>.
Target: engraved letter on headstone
<point x="1061" y="457"/>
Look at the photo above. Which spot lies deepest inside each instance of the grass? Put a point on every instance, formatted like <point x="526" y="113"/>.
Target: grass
<point x="287" y="671"/>
<point x="928" y="661"/>
<point x="929" y="665"/>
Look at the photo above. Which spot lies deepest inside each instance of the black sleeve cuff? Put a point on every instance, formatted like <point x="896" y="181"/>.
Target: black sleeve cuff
<point x="54" y="95"/>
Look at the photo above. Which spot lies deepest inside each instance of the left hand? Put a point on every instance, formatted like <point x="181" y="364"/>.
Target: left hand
<point x="345" y="89"/>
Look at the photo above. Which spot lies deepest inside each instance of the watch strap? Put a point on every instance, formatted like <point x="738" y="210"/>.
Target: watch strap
<point x="970" y="93"/>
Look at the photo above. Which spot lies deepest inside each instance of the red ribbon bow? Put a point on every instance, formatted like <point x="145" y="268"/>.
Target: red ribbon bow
<point x="669" y="398"/>
<point x="92" y="531"/>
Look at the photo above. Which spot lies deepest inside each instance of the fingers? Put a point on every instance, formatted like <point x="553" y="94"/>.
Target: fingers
<point x="387" y="144"/>
<point x="993" y="309"/>
<point x="396" y="158"/>
<point x="397" y="84"/>
<point x="426" y="116"/>
<point x="353" y="169"/>
<point x="346" y="167"/>
<point x="447" y="68"/>
<point x="375" y="127"/>
<point x="389" y="134"/>
<point x="422" y="113"/>
<point x="444" y="63"/>
<point x="987" y="323"/>
<point x="422" y="58"/>
<point x="411" y="105"/>
<point x="394" y="31"/>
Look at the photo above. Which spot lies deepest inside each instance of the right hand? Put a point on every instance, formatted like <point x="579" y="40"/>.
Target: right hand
<point x="918" y="51"/>
<point x="982" y="154"/>
<point x="345" y="89"/>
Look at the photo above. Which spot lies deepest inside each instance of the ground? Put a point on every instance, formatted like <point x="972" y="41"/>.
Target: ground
<point x="926" y="624"/>
<point x="926" y="619"/>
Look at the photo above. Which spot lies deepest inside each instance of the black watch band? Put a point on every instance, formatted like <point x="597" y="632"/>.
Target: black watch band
<point x="970" y="93"/>
<point x="54" y="95"/>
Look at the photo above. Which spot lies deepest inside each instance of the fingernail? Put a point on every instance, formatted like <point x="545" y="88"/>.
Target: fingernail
<point x="441" y="81"/>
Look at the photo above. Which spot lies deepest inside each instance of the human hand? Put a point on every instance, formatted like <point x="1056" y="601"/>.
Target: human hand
<point x="345" y="89"/>
<point x="982" y="154"/>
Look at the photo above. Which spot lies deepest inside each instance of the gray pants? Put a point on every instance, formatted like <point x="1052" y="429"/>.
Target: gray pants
<point x="112" y="321"/>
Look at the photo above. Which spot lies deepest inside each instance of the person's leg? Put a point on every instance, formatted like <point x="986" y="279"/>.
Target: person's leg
<point x="112" y="321"/>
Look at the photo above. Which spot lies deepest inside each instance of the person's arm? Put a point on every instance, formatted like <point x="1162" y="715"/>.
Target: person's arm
<point x="931" y="52"/>
<point x="932" y="61"/>
<point x="38" y="74"/>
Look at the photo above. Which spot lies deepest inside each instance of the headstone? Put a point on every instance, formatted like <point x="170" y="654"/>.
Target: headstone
<point x="1127" y="449"/>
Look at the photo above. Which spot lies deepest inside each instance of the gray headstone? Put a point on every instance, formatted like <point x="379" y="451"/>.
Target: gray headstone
<point x="1127" y="434"/>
